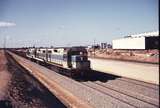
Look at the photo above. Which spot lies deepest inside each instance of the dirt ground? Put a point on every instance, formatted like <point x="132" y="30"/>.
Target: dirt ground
<point x="18" y="89"/>
<point x="5" y="78"/>
<point x="145" y="56"/>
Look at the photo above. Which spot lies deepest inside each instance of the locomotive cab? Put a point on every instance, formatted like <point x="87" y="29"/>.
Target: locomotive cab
<point x="78" y="59"/>
<point x="80" y="62"/>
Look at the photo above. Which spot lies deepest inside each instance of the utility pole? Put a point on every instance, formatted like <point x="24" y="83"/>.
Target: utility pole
<point x="4" y="44"/>
<point x="94" y="47"/>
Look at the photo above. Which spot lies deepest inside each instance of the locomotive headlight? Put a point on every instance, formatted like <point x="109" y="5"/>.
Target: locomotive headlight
<point x="81" y="53"/>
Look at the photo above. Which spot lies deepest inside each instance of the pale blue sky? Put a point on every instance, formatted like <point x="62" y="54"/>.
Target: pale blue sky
<point x="74" y="22"/>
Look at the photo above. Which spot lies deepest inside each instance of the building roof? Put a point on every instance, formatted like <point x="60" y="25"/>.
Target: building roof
<point x="146" y="34"/>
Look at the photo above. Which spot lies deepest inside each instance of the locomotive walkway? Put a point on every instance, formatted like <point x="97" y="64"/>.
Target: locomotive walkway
<point x="103" y="91"/>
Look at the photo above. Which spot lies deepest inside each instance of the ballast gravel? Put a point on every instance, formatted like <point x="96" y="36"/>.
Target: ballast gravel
<point x="89" y="95"/>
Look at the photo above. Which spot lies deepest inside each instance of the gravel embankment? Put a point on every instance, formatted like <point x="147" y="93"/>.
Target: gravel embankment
<point x="95" y="98"/>
<point x="24" y="91"/>
<point x="103" y="90"/>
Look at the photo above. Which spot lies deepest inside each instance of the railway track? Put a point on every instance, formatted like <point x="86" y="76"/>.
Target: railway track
<point x="141" y="83"/>
<point x="132" y="92"/>
<point x="123" y="92"/>
<point x="122" y="96"/>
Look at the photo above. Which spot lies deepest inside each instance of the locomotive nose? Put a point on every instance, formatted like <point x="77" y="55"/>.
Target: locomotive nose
<point x="80" y="62"/>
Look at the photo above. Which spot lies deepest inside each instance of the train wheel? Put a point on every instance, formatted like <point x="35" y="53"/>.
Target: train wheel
<point x="71" y="74"/>
<point x="37" y="61"/>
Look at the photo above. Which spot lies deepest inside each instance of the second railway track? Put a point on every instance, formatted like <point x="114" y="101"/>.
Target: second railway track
<point x="123" y="96"/>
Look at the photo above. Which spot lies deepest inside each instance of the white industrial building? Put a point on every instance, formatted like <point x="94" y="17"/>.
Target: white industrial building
<point x="148" y="40"/>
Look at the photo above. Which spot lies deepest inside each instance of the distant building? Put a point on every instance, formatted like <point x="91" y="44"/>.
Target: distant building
<point x="96" y="46"/>
<point x="109" y="46"/>
<point x="148" y="40"/>
<point x="103" y="45"/>
<point x="89" y="46"/>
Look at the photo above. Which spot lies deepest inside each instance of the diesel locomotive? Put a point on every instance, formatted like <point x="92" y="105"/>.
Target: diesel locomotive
<point x="74" y="59"/>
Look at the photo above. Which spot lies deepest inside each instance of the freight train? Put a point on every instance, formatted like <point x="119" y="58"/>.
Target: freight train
<point x="74" y="59"/>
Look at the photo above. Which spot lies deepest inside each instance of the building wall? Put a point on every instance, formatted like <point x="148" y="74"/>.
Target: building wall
<point x="129" y="43"/>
